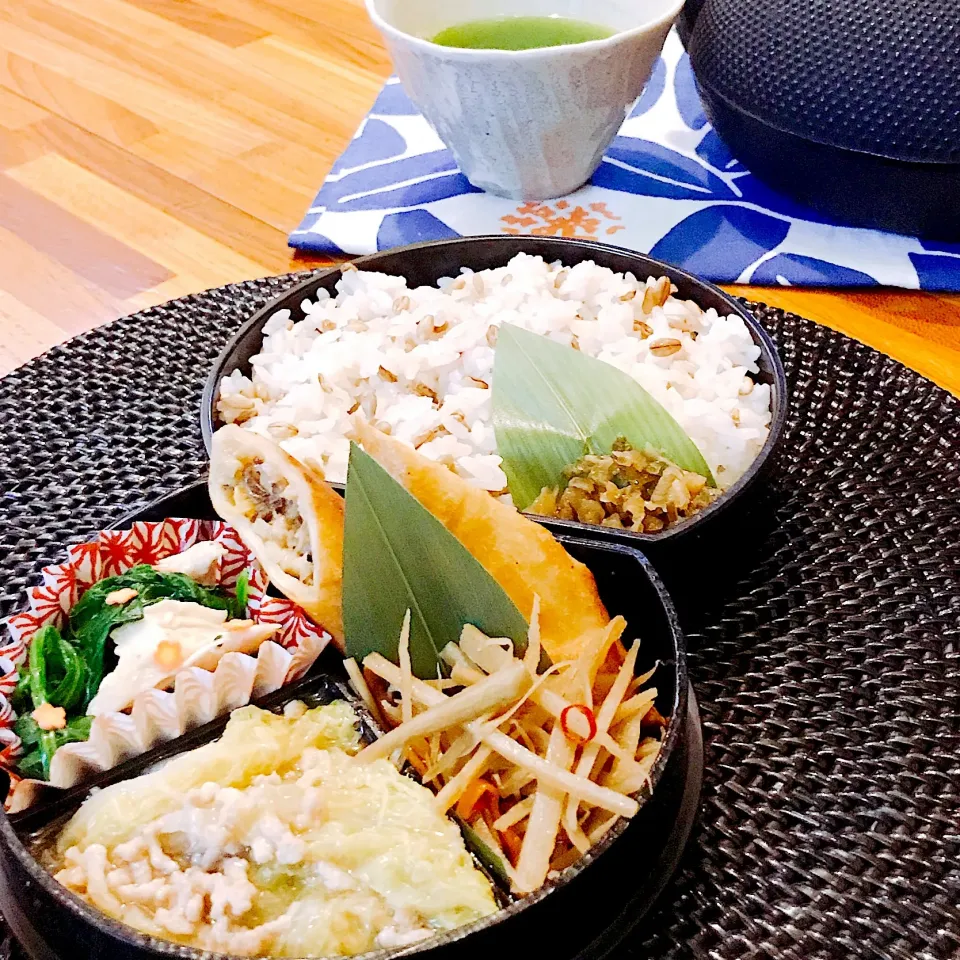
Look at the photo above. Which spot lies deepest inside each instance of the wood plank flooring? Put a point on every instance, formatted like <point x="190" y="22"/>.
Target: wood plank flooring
<point x="152" y="148"/>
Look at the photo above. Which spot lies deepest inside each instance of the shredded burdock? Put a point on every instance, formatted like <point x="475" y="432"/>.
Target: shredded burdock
<point x="540" y="761"/>
<point x="631" y="489"/>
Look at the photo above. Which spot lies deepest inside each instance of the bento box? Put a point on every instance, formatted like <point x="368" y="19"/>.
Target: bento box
<point x="52" y="920"/>
<point x="688" y="334"/>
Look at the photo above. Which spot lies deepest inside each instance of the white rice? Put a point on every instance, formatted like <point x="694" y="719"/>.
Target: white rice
<point x="382" y="348"/>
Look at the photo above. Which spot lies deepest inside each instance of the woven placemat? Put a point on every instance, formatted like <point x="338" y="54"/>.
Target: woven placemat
<point x="829" y="679"/>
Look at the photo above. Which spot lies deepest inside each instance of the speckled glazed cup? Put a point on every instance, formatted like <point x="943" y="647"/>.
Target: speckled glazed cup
<point x="525" y="124"/>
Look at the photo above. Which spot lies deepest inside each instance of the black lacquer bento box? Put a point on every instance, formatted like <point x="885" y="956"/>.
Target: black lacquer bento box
<point x="584" y="912"/>
<point x="711" y="535"/>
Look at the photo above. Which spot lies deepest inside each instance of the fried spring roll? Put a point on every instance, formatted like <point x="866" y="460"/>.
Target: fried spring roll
<point x="288" y="515"/>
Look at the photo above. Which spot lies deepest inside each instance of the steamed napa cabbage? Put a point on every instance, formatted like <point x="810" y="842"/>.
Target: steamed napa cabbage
<point x="274" y="841"/>
<point x="254" y="742"/>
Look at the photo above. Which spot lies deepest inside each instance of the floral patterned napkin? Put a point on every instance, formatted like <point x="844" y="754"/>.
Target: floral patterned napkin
<point x="667" y="186"/>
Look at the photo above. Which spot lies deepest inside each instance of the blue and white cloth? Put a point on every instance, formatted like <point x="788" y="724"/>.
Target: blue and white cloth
<point x="667" y="186"/>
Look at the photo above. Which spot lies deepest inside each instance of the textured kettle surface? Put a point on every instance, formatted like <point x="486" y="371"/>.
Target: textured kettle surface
<point x="875" y="76"/>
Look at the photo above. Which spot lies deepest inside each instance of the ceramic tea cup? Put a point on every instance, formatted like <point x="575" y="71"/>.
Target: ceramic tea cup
<point x="525" y="124"/>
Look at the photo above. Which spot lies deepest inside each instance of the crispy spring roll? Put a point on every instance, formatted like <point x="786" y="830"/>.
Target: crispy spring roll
<point x="523" y="557"/>
<point x="288" y="515"/>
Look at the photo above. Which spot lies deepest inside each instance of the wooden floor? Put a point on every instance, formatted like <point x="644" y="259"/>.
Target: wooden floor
<point x="152" y="148"/>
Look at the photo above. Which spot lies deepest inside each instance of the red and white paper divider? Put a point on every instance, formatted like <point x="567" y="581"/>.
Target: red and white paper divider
<point x="116" y="551"/>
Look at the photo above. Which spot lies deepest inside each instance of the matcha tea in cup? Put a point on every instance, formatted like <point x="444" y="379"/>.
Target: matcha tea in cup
<point x="520" y="33"/>
<point x="527" y="94"/>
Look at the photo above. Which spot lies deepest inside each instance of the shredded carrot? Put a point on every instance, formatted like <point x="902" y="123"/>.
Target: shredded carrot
<point x="454" y="787"/>
<point x="514" y="815"/>
<point x="512" y="843"/>
<point x="654" y="718"/>
<point x="479" y="795"/>
<point x="414" y="759"/>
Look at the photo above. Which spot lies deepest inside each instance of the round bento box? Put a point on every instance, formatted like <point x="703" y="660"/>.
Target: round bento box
<point x="582" y="911"/>
<point x="710" y="533"/>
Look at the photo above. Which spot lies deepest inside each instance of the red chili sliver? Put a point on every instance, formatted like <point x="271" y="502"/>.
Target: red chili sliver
<point x="591" y="722"/>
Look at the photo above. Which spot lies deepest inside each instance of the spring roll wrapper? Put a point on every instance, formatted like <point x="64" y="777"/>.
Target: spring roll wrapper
<point x="320" y="507"/>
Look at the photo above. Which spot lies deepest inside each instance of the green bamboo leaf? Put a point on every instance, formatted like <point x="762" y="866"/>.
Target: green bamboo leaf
<point x="552" y="405"/>
<point x="396" y="557"/>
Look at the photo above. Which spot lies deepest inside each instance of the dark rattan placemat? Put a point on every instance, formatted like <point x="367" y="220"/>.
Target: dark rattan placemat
<point x="829" y="682"/>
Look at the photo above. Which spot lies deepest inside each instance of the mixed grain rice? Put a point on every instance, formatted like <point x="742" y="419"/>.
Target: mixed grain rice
<point x="419" y="363"/>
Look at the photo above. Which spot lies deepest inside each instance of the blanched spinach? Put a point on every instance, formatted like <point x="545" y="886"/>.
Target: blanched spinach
<point x="37" y="743"/>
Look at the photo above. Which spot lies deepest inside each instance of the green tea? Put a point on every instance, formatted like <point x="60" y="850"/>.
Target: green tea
<point x="520" y="33"/>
